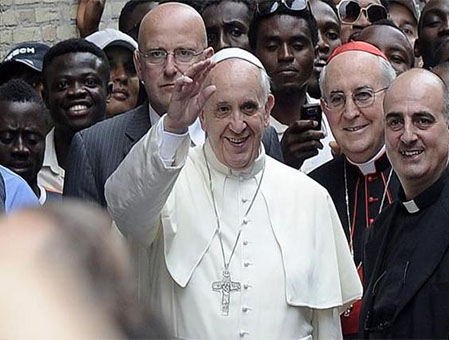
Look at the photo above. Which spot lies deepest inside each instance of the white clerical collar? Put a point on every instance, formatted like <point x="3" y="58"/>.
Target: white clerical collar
<point x="411" y="206"/>
<point x="368" y="167"/>
<point x="249" y="172"/>
<point x="197" y="134"/>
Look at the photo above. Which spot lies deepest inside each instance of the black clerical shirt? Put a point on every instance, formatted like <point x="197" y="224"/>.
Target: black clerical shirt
<point x="406" y="260"/>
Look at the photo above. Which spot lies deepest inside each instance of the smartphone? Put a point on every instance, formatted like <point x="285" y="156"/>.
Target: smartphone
<point x="312" y="112"/>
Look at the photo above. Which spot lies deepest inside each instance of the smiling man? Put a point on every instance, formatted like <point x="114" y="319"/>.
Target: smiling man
<point x="406" y="253"/>
<point x="267" y="258"/>
<point x="360" y="180"/>
<point x="76" y="75"/>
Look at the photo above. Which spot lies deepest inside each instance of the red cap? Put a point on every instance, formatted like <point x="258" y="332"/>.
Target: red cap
<point x="356" y="46"/>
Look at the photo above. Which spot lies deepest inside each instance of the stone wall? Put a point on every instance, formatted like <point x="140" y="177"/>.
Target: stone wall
<point x="48" y="21"/>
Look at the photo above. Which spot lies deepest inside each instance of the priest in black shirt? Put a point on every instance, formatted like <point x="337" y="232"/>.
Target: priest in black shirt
<point x="406" y="258"/>
<point x="360" y="180"/>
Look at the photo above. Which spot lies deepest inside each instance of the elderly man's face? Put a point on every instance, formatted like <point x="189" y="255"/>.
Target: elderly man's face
<point x="416" y="134"/>
<point x="284" y="45"/>
<point x="393" y="43"/>
<point x="227" y="25"/>
<point x="169" y="28"/>
<point x="22" y="138"/>
<point x="358" y="130"/>
<point x="350" y="31"/>
<point x="434" y="30"/>
<point x="237" y="113"/>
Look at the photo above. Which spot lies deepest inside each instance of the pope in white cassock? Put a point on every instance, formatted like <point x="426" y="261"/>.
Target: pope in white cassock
<point x="240" y="246"/>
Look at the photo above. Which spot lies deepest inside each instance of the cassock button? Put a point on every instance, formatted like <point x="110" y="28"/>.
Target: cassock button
<point x="246" y="264"/>
<point x="246" y="285"/>
<point x="245" y="242"/>
<point x="245" y="220"/>
<point x="372" y="199"/>
<point x="371" y="221"/>
<point x="245" y="309"/>
<point x="371" y="178"/>
<point x="244" y="200"/>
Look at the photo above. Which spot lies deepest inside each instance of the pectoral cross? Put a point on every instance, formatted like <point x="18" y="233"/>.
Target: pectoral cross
<point x="225" y="287"/>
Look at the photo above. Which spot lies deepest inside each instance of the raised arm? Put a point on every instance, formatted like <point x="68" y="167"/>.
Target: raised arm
<point x="137" y="191"/>
<point x="88" y="16"/>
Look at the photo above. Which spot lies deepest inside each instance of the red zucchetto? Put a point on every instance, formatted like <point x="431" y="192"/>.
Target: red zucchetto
<point x="356" y="46"/>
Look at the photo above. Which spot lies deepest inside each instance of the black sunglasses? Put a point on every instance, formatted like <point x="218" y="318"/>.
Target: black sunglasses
<point x="266" y="7"/>
<point x="349" y="12"/>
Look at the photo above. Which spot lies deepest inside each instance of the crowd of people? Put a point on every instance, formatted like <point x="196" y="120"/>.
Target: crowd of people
<point x="263" y="169"/>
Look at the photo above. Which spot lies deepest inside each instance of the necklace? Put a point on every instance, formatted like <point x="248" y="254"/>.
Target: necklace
<point x="225" y="286"/>
<point x="351" y="226"/>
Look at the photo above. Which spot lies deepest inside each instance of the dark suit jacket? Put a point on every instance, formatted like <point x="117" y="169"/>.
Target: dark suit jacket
<point x="97" y="151"/>
<point x="422" y="310"/>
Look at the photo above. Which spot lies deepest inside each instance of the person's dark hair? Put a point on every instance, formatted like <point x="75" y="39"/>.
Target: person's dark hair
<point x="250" y="4"/>
<point x="127" y="10"/>
<point x="282" y="10"/>
<point x="19" y="91"/>
<point x="74" y="46"/>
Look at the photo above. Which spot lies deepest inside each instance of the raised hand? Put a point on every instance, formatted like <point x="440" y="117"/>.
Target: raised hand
<point x="188" y="97"/>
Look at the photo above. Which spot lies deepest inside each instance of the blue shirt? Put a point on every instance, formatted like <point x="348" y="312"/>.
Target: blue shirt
<point x="18" y="192"/>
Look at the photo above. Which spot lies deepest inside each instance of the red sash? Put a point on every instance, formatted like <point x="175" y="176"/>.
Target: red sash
<point x="350" y="317"/>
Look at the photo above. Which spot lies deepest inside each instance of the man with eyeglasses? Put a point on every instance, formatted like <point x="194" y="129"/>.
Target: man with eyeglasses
<point x="406" y="251"/>
<point x="172" y="37"/>
<point x="355" y="15"/>
<point x="360" y="181"/>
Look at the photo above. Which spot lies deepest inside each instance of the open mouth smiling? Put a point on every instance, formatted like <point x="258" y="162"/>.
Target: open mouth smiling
<point x="237" y="141"/>
<point x="411" y="153"/>
<point x="355" y="128"/>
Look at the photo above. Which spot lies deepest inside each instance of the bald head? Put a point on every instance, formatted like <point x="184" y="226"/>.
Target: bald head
<point x="168" y="28"/>
<point x="416" y="129"/>
<point x="418" y="86"/>
<point x="176" y="16"/>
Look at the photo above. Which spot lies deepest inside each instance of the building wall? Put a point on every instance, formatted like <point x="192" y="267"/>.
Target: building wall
<point x="47" y="21"/>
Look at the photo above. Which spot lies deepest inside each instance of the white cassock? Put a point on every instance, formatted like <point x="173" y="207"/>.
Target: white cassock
<point x="291" y="260"/>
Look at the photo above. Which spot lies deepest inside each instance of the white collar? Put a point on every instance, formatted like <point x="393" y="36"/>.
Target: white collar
<point x="368" y="167"/>
<point x="411" y="206"/>
<point x="197" y="134"/>
<point x="50" y="157"/>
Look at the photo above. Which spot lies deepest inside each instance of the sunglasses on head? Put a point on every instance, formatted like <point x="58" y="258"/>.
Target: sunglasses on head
<point x="266" y="7"/>
<point x="349" y="12"/>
